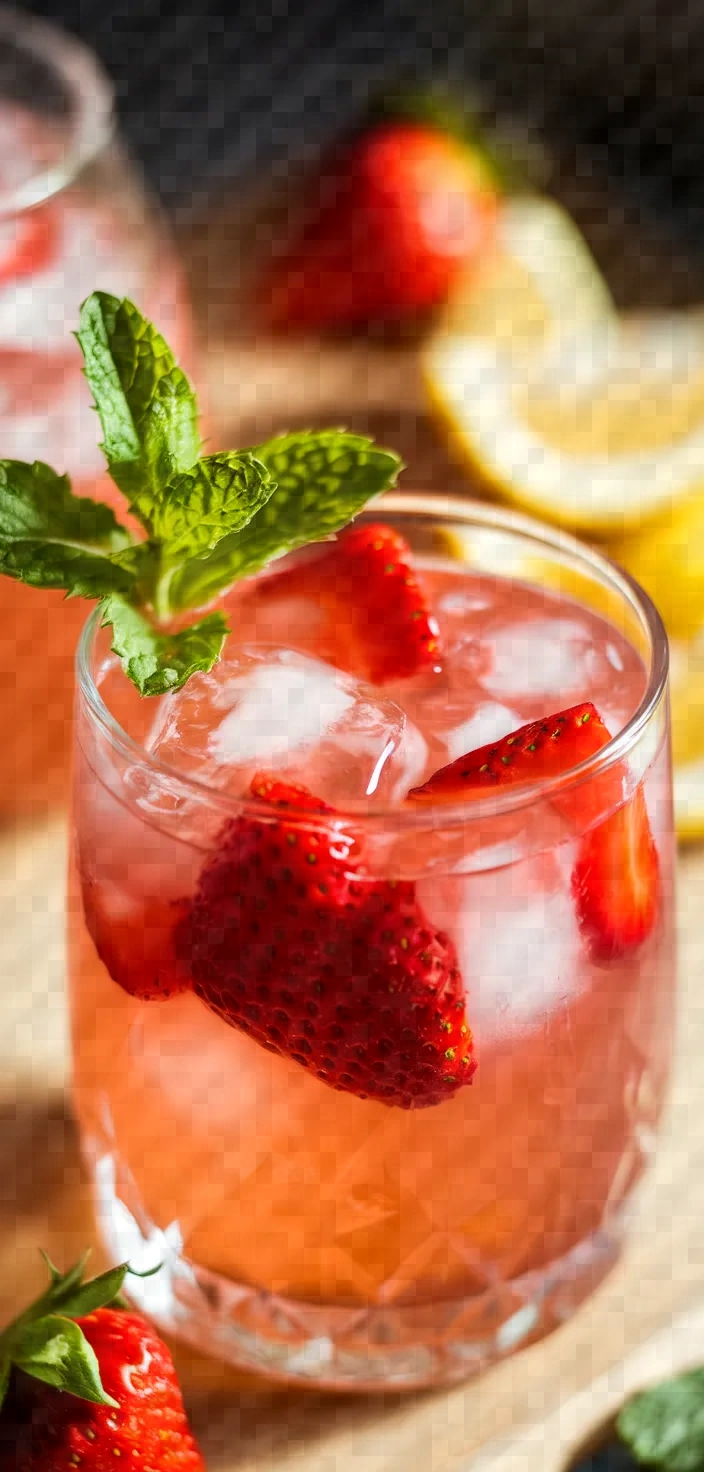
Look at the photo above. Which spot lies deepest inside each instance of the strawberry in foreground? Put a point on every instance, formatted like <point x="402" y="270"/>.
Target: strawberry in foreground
<point x="289" y="941"/>
<point x="615" y="880"/>
<point x="401" y="213"/>
<point x="85" y="1384"/>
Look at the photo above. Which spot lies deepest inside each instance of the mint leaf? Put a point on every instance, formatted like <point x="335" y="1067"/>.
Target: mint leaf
<point x="664" y="1427"/>
<point x="55" y="1350"/>
<point x="199" y="507"/>
<point x="322" y="480"/>
<point x="53" y="539"/>
<point x="146" y="405"/>
<point x="157" y="663"/>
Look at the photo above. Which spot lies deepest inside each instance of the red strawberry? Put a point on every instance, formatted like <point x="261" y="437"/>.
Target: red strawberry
<point x="136" y="946"/>
<point x="541" y="749"/>
<point x="288" y="940"/>
<point x="28" y="243"/>
<point x="616" y="881"/>
<point x="113" y="1397"/>
<point x="383" y="626"/>
<point x="616" y="877"/>
<point x="400" y="214"/>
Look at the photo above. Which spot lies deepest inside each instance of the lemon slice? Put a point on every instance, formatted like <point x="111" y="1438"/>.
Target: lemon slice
<point x="540" y="278"/>
<point x="687" y="702"/>
<point x="583" y="418"/>
<point x="668" y="561"/>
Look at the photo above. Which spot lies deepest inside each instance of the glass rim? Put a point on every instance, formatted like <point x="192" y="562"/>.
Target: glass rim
<point x="444" y="813"/>
<point x="91" y="94"/>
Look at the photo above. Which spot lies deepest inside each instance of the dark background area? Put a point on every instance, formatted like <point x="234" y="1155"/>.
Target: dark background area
<point x="210" y="97"/>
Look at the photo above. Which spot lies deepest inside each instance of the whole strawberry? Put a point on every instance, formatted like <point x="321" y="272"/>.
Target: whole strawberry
<point x="289" y="940"/>
<point x="89" y="1385"/>
<point x="400" y="214"/>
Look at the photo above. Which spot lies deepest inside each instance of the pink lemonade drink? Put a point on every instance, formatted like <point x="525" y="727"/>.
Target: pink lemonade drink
<point x="73" y="217"/>
<point x="385" y="1135"/>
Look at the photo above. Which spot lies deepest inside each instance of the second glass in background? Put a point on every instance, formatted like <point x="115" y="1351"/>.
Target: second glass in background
<point x="74" y="218"/>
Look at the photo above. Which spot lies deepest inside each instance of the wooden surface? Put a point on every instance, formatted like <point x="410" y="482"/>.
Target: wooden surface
<point x="43" y="1201"/>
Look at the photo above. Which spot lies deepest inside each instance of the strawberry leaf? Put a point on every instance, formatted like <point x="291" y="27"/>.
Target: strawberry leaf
<point x="664" y="1427"/>
<point x="146" y="405"/>
<point x="53" y="539"/>
<point x="56" y="1351"/>
<point x="54" y="1273"/>
<point x="77" y="1300"/>
<point x="155" y="662"/>
<point x="322" y="480"/>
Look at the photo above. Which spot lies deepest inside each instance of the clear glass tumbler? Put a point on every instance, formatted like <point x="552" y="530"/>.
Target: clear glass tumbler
<point x="330" y="1238"/>
<point x="74" y="218"/>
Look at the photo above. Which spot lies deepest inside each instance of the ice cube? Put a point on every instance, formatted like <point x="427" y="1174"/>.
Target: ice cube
<point x="546" y="659"/>
<point x="489" y="722"/>
<point x="281" y="710"/>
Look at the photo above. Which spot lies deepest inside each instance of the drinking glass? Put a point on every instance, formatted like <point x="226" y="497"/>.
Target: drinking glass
<point x="331" y="1239"/>
<point x="74" y="218"/>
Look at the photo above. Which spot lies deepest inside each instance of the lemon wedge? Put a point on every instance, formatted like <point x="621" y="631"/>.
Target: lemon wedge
<point x="668" y="561"/>
<point x="687" y="702"/>
<point x="567" y="410"/>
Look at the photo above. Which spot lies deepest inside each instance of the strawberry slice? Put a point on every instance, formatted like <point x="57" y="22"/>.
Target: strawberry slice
<point x="136" y="946"/>
<point x="616" y="882"/>
<point x="288" y="940"/>
<point x="376" y="619"/>
<point x="28" y="243"/>
<point x="541" y="749"/>
<point x="384" y="628"/>
<point x="616" y="879"/>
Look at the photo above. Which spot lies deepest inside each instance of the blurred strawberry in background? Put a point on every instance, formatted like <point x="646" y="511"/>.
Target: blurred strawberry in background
<point x="396" y="217"/>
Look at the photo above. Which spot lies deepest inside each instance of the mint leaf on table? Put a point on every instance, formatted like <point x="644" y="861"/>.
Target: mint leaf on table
<point x="147" y="408"/>
<point x="322" y="480"/>
<point x="664" y="1427"/>
<point x="53" y="539"/>
<point x="160" y="662"/>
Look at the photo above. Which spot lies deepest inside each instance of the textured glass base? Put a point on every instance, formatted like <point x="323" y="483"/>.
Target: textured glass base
<point x="344" y="1348"/>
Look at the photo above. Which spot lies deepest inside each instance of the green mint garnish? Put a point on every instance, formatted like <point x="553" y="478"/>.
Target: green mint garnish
<point x="147" y="408"/>
<point x="322" y="480"/>
<point x="47" y="1344"/>
<point x="53" y="539"/>
<point x="207" y="520"/>
<point x="157" y="663"/>
<point x="664" y="1427"/>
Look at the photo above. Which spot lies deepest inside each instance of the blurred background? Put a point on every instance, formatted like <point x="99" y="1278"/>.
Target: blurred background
<point x="210" y="97"/>
<point x="584" y="297"/>
<point x="568" y="287"/>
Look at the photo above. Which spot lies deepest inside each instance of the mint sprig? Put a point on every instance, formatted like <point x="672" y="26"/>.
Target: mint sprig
<point x="146" y="405"/>
<point x="46" y="1342"/>
<point x="206" y="520"/>
<point x="53" y="539"/>
<point x="157" y="663"/>
<point x="664" y="1427"/>
<point x="322" y="480"/>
